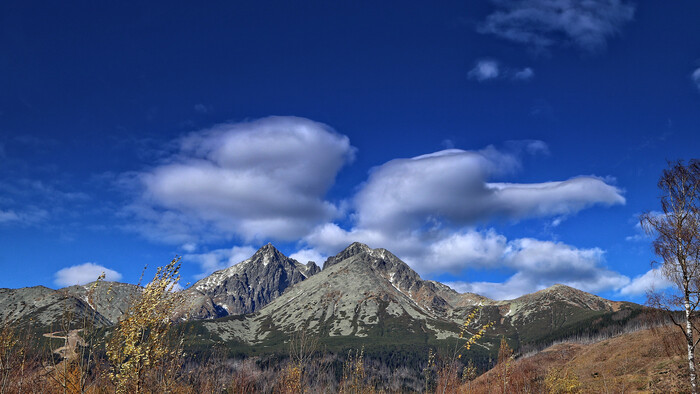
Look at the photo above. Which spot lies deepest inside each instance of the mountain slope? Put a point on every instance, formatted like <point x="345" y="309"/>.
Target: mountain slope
<point x="40" y="308"/>
<point x="649" y="360"/>
<point x="110" y="299"/>
<point x="558" y="309"/>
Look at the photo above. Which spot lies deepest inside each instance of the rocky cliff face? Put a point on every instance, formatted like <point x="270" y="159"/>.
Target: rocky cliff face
<point x="246" y="286"/>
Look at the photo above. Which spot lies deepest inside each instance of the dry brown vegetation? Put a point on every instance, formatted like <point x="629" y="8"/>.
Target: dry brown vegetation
<point x="650" y="360"/>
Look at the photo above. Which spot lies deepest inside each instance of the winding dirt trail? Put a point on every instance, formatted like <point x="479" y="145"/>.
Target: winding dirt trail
<point x="69" y="351"/>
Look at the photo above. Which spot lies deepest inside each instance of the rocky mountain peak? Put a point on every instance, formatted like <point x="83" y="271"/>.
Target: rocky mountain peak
<point x="312" y="268"/>
<point x="268" y="253"/>
<point x="248" y="285"/>
<point x="355" y="248"/>
<point x="558" y="287"/>
<point x="564" y="292"/>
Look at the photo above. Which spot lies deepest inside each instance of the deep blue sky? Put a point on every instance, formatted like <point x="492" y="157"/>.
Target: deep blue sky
<point x="96" y="97"/>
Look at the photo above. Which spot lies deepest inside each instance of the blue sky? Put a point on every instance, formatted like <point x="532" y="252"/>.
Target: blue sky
<point x="499" y="146"/>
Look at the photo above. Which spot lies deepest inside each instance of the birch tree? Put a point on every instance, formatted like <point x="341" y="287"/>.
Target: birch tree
<point x="677" y="243"/>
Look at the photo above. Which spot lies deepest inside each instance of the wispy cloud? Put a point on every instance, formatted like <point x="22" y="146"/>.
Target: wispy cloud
<point x="201" y="108"/>
<point x="485" y="70"/>
<point x="525" y="74"/>
<point x="489" y="69"/>
<point x="695" y="76"/>
<point x="84" y="273"/>
<point x="219" y="259"/>
<point x="639" y="233"/>
<point x="652" y="280"/>
<point x="25" y="216"/>
<point x="542" y="24"/>
<point x="29" y="202"/>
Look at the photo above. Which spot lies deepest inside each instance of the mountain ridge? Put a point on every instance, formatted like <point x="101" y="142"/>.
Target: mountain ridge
<point x="361" y="294"/>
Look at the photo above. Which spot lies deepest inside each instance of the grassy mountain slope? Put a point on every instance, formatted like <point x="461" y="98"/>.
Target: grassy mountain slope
<point x="649" y="360"/>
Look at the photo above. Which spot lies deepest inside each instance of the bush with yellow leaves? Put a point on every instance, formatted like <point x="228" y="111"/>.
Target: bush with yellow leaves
<point x="447" y="377"/>
<point x="561" y="380"/>
<point x="354" y="380"/>
<point x="143" y="351"/>
<point x="12" y="359"/>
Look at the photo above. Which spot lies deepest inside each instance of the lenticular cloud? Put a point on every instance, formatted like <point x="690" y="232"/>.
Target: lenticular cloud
<point x="260" y="179"/>
<point x="451" y="187"/>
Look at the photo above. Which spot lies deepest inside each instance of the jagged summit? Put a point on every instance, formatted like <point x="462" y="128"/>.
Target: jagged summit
<point x="268" y="250"/>
<point x="247" y="286"/>
<point x="355" y="248"/>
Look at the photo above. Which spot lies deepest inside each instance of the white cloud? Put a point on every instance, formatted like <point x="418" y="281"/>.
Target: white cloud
<point x="8" y="216"/>
<point x="305" y="255"/>
<point x="28" y="202"/>
<point x="545" y="23"/>
<point x="475" y="249"/>
<point x="544" y="263"/>
<point x="489" y="69"/>
<point x="639" y="233"/>
<point x="84" y="273"/>
<point x="451" y="188"/>
<point x="201" y="108"/>
<point x="650" y="281"/>
<point x="485" y="70"/>
<point x="695" y="76"/>
<point x="525" y="74"/>
<point x="219" y="259"/>
<point x="534" y="264"/>
<point x="258" y="180"/>
<point x="27" y="216"/>
<point x="540" y="264"/>
<point x="189" y="247"/>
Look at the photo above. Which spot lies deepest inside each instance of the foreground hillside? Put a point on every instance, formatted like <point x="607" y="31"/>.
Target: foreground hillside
<point x="645" y="361"/>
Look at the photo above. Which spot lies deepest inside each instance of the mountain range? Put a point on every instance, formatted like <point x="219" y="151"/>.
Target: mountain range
<point x="362" y="296"/>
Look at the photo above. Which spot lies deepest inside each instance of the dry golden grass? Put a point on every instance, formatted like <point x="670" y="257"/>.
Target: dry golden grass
<point x="647" y="361"/>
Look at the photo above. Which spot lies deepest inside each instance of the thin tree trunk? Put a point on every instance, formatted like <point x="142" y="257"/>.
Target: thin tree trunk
<point x="691" y="350"/>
